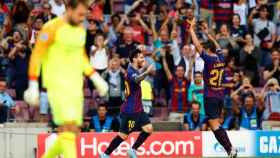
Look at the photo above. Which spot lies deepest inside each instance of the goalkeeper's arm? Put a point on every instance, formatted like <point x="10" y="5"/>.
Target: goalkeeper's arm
<point x="31" y="95"/>
<point x="100" y="84"/>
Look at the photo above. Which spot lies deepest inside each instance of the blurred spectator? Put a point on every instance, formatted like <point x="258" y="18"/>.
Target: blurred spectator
<point x="196" y="91"/>
<point x="224" y="39"/>
<point x="250" y="60"/>
<point x="264" y="32"/>
<point x="194" y="120"/>
<point x="244" y="90"/>
<point x="147" y="96"/>
<point x="96" y="10"/>
<point x="139" y="28"/>
<point x="147" y="83"/>
<point x="44" y="106"/>
<point x="229" y="85"/>
<point x="19" y="55"/>
<point x="249" y="113"/>
<point x="238" y="31"/>
<point x="271" y="97"/>
<point x="4" y="11"/>
<point x="113" y="32"/>
<point x="227" y="120"/>
<point x="47" y="14"/>
<point x="277" y="22"/>
<point x="20" y="12"/>
<point x="7" y="27"/>
<point x="99" y="55"/>
<point x="206" y="11"/>
<point x="115" y="77"/>
<point x="92" y="30"/>
<point x="222" y="10"/>
<point x="6" y="102"/>
<point x="188" y="54"/>
<point x="241" y="9"/>
<point x="178" y="89"/>
<point x="102" y="122"/>
<point x="36" y="27"/>
<point x="126" y="45"/>
<point x="273" y="70"/>
<point x="58" y="7"/>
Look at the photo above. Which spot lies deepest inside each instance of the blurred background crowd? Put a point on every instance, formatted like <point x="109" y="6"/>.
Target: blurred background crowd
<point x="248" y="32"/>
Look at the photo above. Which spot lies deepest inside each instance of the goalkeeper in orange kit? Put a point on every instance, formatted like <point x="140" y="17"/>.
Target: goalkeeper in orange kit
<point x="60" y="50"/>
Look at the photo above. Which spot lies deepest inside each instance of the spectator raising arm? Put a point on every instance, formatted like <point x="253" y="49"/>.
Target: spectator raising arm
<point x="153" y="23"/>
<point x="268" y="74"/>
<point x="143" y="24"/>
<point x="194" y="37"/>
<point x="251" y="16"/>
<point x="165" y="65"/>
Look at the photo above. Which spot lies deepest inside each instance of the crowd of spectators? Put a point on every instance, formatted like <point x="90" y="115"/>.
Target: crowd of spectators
<point x="248" y="32"/>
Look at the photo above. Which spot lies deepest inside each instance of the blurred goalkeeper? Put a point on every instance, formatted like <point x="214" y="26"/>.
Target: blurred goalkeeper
<point x="60" y="49"/>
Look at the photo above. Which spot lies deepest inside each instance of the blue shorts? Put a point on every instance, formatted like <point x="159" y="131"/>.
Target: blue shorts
<point x="133" y="122"/>
<point x="213" y="107"/>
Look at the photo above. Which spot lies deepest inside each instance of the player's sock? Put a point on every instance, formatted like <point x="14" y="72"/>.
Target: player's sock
<point x="140" y="140"/>
<point x="54" y="150"/>
<point x="114" y="144"/>
<point x="68" y="144"/>
<point x="222" y="137"/>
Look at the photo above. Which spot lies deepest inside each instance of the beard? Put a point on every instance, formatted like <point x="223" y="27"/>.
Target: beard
<point x="73" y="22"/>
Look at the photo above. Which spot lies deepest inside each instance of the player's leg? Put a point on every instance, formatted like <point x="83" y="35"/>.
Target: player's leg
<point x="126" y="125"/>
<point x="213" y="109"/>
<point x="147" y="129"/>
<point x="67" y="113"/>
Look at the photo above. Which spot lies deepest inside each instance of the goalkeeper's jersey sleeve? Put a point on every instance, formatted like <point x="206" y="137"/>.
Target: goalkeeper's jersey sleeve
<point x="60" y="49"/>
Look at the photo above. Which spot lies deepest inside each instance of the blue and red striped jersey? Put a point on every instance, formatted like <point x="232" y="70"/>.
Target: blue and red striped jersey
<point x="133" y="101"/>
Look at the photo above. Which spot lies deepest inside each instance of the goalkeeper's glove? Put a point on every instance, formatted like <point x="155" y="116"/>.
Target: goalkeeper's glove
<point x="100" y="84"/>
<point x="31" y="95"/>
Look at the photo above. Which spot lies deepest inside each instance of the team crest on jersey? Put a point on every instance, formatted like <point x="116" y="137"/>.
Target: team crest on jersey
<point x="44" y="37"/>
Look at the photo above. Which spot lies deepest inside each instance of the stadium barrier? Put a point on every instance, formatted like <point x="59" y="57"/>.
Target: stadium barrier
<point x="175" y="144"/>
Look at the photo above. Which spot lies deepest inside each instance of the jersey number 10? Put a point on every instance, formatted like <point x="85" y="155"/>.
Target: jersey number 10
<point x="216" y="77"/>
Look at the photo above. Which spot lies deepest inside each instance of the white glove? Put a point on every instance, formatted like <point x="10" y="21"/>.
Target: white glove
<point x="31" y="95"/>
<point x="100" y="84"/>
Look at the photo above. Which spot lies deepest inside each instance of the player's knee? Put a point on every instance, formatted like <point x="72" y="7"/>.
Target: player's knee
<point x="148" y="129"/>
<point x="123" y="136"/>
<point x="69" y="127"/>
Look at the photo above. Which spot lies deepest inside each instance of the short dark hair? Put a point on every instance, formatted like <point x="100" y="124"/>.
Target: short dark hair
<point x="210" y="45"/>
<point x="75" y="3"/>
<point x="102" y="106"/>
<point x="134" y="54"/>
<point x="198" y="72"/>
<point x="263" y="7"/>
<point x="195" y="102"/>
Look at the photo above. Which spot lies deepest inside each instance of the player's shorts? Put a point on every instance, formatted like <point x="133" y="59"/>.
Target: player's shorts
<point x="133" y="122"/>
<point x="213" y="107"/>
<point x="66" y="105"/>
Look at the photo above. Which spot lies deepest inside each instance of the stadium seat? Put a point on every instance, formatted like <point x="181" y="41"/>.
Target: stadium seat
<point x="23" y="113"/>
<point x="87" y="93"/>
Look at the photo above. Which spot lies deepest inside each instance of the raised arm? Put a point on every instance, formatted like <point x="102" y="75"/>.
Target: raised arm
<point x="153" y="23"/>
<point x="251" y="16"/>
<point x="205" y="29"/>
<point x="194" y="37"/>
<point x="134" y="5"/>
<point x="165" y="65"/>
<point x="143" y="24"/>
